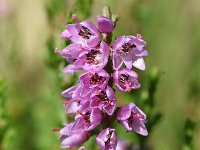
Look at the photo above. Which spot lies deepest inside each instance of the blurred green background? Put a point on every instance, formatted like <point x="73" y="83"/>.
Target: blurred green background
<point x="31" y="79"/>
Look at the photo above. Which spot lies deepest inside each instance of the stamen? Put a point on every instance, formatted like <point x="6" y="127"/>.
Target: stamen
<point x="109" y="137"/>
<point x="96" y="79"/>
<point x="103" y="96"/>
<point x="123" y="78"/>
<point x="86" y="117"/>
<point x="92" y="57"/>
<point x="85" y="32"/>
<point x="126" y="47"/>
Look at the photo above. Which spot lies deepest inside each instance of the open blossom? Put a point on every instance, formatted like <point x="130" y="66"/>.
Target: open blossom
<point x="83" y="32"/>
<point x="71" y="52"/>
<point x="107" y="139"/>
<point x="92" y="79"/>
<point x="104" y="99"/>
<point x="88" y="81"/>
<point x="130" y="50"/>
<point x="132" y="118"/>
<point x="87" y="120"/>
<point x="86" y="58"/>
<point x="76" y="106"/>
<point x="71" y="139"/>
<point x="126" y="80"/>
<point x="105" y="25"/>
<point x="93" y="58"/>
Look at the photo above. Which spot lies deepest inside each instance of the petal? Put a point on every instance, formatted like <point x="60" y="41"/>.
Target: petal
<point x="91" y="27"/>
<point x="135" y="84"/>
<point x="71" y="69"/>
<point x="74" y="140"/>
<point x="95" y="117"/>
<point x="72" y="107"/>
<point x="69" y="92"/>
<point x="72" y="29"/>
<point x="118" y="43"/>
<point x="140" y="129"/>
<point x="105" y="24"/>
<point x="94" y="41"/>
<point x="79" y="125"/>
<point x="126" y="125"/>
<point x="117" y="61"/>
<point x="65" y="34"/>
<point x="139" y="63"/>
<point x="106" y="52"/>
<point x="110" y="92"/>
<point x="66" y="130"/>
<point x="130" y="72"/>
<point x="128" y="64"/>
<point x="110" y="109"/>
<point x="116" y="75"/>
<point x="140" y="53"/>
<point x="124" y="112"/>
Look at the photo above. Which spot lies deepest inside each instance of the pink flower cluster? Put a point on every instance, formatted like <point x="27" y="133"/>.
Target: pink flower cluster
<point x="92" y="99"/>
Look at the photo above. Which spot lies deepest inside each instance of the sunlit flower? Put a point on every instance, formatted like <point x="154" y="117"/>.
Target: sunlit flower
<point x="104" y="99"/>
<point x="105" y="25"/>
<point x="132" y="118"/>
<point x="107" y="139"/>
<point x="87" y="120"/>
<point x="126" y="80"/>
<point x="130" y="50"/>
<point x="83" y="32"/>
<point x="71" y="139"/>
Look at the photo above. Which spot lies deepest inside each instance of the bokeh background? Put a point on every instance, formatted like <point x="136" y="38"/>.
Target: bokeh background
<point x="31" y="76"/>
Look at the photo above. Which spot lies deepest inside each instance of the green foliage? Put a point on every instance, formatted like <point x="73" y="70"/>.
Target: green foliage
<point x="189" y="135"/>
<point x="7" y="133"/>
<point x="3" y="115"/>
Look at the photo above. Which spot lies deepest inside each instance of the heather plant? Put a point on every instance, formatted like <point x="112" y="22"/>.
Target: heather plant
<point x="103" y="64"/>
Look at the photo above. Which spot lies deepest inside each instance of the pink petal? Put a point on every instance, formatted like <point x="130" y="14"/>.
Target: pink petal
<point x="117" y="61"/>
<point x="105" y="24"/>
<point x="139" y="63"/>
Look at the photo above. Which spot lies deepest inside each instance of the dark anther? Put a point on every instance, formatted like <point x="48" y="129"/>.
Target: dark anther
<point x="96" y="79"/>
<point x="85" y="32"/>
<point x="102" y="96"/>
<point x="123" y="78"/>
<point x="91" y="57"/>
<point x="126" y="47"/>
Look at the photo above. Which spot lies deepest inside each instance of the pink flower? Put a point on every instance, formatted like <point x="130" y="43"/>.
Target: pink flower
<point x="107" y="139"/>
<point x="105" y="25"/>
<point x="104" y="99"/>
<point x="92" y="79"/>
<point x="83" y="32"/>
<point x="126" y="80"/>
<point x="130" y="50"/>
<point x="132" y="118"/>
<point x="76" y="106"/>
<point x="87" y="120"/>
<point x="71" y="139"/>
<point x="85" y="58"/>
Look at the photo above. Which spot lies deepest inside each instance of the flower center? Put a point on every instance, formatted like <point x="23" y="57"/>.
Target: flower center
<point x="126" y="47"/>
<point x="93" y="57"/>
<point x="134" y="116"/>
<point x="96" y="79"/>
<point x="86" y="117"/>
<point x="85" y="32"/>
<point x="108" y="138"/>
<point x="124" y="78"/>
<point x="103" y="96"/>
